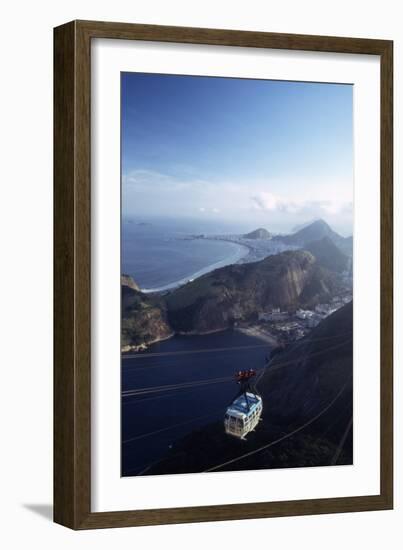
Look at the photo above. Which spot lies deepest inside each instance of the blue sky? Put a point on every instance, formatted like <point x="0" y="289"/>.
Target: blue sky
<point x="274" y="152"/>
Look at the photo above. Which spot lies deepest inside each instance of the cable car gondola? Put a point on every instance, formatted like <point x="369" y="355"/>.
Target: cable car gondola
<point x="244" y="413"/>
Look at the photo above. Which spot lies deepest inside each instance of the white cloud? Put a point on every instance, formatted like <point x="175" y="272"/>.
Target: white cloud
<point x="265" y="201"/>
<point x="275" y="202"/>
<point x="203" y="210"/>
<point x="140" y="177"/>
<point x="269" y="202"/>
<point x="154" y="181"/>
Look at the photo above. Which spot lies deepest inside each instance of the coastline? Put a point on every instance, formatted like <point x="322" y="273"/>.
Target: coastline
<point x="241" y="252"/>
<point x="143" y="346"/>
<point x="252" y="330"/>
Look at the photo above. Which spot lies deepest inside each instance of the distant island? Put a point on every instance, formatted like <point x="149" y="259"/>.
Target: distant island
<point x="260" y="233"/>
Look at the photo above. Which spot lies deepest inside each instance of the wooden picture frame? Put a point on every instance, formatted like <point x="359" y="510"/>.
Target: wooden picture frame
<point x="72" y="270"/>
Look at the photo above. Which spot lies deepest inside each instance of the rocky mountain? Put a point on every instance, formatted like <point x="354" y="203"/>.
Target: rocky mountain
<point x="307" y="393"/>
<point x="144" y="319"/>
<point x="215" y="301"/>
<point x="315" y="231"/>
<point x="260" y="233"/>
<point x="346" y="246"/>
<point x="300" y="226"/>
<point x="328" y="254"/>
<point x="127" y="280"/>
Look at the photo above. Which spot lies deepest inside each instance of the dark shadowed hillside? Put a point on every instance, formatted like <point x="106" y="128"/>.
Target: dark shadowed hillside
<point x="319" y="365"/>
<point x="307" y="411"/>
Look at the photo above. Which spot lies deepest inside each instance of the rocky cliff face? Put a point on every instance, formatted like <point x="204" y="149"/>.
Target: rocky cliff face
<point x="144" y="319"/>
<point x="219" y="299"/>
<point x="214" y="302"/>
<point x="127" y="280"/>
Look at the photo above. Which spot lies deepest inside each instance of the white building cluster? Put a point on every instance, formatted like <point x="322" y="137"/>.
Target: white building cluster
<point x="295" y="325"/>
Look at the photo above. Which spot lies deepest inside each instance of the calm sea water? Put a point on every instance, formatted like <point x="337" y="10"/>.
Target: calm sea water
<point x="152" y="420"/>
<point x="158" y="254"/>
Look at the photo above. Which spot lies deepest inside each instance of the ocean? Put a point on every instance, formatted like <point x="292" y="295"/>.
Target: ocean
<point x="159" y="255"/>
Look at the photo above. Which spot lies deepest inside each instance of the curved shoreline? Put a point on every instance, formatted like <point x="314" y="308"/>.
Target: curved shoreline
<point x="233" y="259"/>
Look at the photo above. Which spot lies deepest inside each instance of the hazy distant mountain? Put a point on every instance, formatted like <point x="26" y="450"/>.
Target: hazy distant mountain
<point x="347" y="246"/>
<point x="312" y="232"/>
<point x="302" y="225"/>
<point x="315" y="231"/>
<point x="260" y="233"/>
<point x="328" y="254"/>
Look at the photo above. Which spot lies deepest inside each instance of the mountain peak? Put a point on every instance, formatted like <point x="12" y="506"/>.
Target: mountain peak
<point x="319" y="223"/>
<point x="316" y="231"/>
<point x="313" y="232"/>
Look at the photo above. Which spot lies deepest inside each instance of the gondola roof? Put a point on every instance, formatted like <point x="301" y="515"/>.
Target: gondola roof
<point x="241" y="407"/>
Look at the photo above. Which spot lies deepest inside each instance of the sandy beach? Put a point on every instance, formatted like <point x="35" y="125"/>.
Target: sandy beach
<point x="258" y="332"/>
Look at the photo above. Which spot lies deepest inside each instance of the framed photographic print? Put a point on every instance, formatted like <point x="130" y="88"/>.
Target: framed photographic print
<point x="222" y="199"/>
